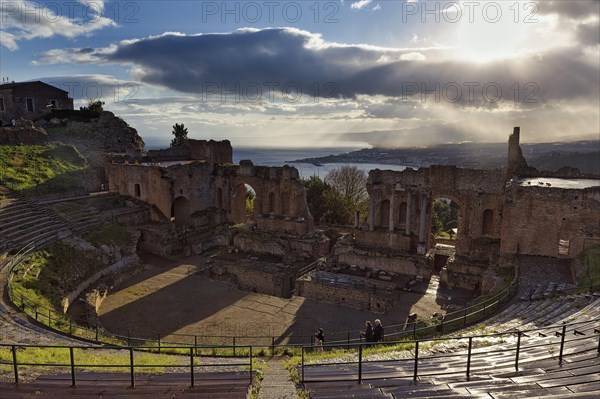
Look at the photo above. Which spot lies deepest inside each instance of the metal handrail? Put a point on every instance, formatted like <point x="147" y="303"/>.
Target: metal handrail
<point x="560" y="331"/>
<point x="192" y="352"/>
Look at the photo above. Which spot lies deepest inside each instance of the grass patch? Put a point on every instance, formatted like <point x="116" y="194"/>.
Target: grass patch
<point x="45" y="277"/>
<point x="43" y="169"/>
<point x="109" y="234"/>
<point x="58" y="360"/>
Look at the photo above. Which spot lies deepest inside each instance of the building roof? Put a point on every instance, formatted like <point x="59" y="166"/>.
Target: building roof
<point x="22" y="84"/>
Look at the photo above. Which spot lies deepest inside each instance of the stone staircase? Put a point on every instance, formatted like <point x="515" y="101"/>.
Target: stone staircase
<point x="23" y="221"/>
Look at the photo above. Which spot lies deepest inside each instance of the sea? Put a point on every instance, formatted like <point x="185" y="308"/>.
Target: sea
<point x="286" y="156"/>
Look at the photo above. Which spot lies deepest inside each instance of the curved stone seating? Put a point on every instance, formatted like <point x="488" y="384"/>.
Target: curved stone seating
<point x="496" y="370"/>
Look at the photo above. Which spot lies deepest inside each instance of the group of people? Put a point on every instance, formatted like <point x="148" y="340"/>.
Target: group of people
<point x="13" y="122"/>
<point x="373" y="334"/>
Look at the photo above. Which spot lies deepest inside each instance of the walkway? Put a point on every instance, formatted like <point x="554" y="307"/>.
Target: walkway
<point x="276" y="383"/>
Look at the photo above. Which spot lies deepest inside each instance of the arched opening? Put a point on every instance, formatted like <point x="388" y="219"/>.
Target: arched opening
<point x="384" y="213"/>
<point x="219" y="198"/>
<point x="137" y="190"/>
<point x="243" y="203"/>
<point x="285" y="204"/>
<point x="402" y="214"/>
<point x="180" y="211"/>
<point x="488" y="222"/>
<point x="271" y="202"/>
<point x="445" y="216"/>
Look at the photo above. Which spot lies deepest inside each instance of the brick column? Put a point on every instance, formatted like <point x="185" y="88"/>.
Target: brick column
<point x="408" y="211"/>
<point x="421" y="247"/>
<point x="372" y="212"/>
<point x="392" y="207"/>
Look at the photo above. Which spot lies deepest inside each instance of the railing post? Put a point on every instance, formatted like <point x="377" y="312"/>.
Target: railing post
<point x="272" y="346"/>
<point x="192" y="366"/>
<point x="15" y="364"/>
<point x="251" y="366"/>
<point x="158" y="344"/>
<point x="360" y="350"/>
<point x="442" y="325"/>
<point x="49" y="318"/>
<point x="562" y="344"/>
<point x="416" y="368"/>
<point x="96" y="332"/>
<point x="128" y="338"/>
<point x="131" y="367"/>
<point x="302" y="365"/>
<point x="415" y="329"/>
<point x="348" y="340"/>
<point x="72" y="356"/>
<point x="518" y="350"/>
<point x="234" y="346"/>
<point x="70" y="327"/>
<point x="196" y="343"/>
<point x="469" y="359"/>
<point x="465" y="318"/>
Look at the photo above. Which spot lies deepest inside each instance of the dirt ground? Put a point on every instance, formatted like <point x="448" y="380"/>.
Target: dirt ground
<point x="171" y="298"/>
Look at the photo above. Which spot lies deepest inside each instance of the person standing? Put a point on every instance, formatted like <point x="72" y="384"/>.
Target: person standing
<point x="320" y="338"/>
<point x="378" y="331"/>
<point x="368" y="333"/>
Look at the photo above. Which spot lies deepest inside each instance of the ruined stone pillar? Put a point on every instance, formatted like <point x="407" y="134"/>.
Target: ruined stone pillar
<point x="408" y="210"/>
<point x="392" y="207"/>
<point x="421" y="247"/>
<point x="372" y="212"/>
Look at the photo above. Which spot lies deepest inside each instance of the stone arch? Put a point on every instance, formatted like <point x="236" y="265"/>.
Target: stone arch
<point x="487" y="226"/>
<point x="402" y="214"/>
<point x="241" y="210"/>
<point x="384" y="213"/>
<point x="286" y="204"/>
<point x="271" y="202"/>
<point x="458" y="216"/>
<point x="180" y="211"/>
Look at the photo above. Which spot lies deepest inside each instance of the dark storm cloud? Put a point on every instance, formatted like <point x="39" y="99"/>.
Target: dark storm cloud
<point x="288" y="58"/>
<point x="571" y="9"/>
<point x="589" y="34"/>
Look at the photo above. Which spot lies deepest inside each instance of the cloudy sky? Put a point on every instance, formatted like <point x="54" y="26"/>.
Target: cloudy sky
<point x="319" y="73"/>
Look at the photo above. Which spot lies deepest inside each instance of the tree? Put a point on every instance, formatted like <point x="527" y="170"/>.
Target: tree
<point x="93" y="108"/>
<point x="180" y="134"/>
<point x="326" y="204"/>
<point x="444" y="216"/>
<point x="350" y="182"/>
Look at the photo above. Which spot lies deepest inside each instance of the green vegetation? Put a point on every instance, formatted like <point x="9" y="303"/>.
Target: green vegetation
<point x="250" y="197"/>
<point x="45" y="277"/>
<point x="40" y="169"/>
<point x="109" y="234"/>
<point x="93" y="359"/>
<point x="444" y="218"/>
<point x="335" y="200"/>
<point x="180" y="135"/>
<point x="590" y="258"/>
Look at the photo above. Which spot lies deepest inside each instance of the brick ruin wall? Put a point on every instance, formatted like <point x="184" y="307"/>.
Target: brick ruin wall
<point x="343" y="296"/>
<point x="24" y="133"/>
<point x="535" y="219"/>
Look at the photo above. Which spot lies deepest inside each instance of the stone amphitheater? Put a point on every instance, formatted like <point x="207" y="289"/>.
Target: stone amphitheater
<point x="535" y="334"/>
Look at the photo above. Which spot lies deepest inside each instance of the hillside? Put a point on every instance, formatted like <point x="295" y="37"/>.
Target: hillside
<point x="41" y="168"/>
<point x="584" y="155"/>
